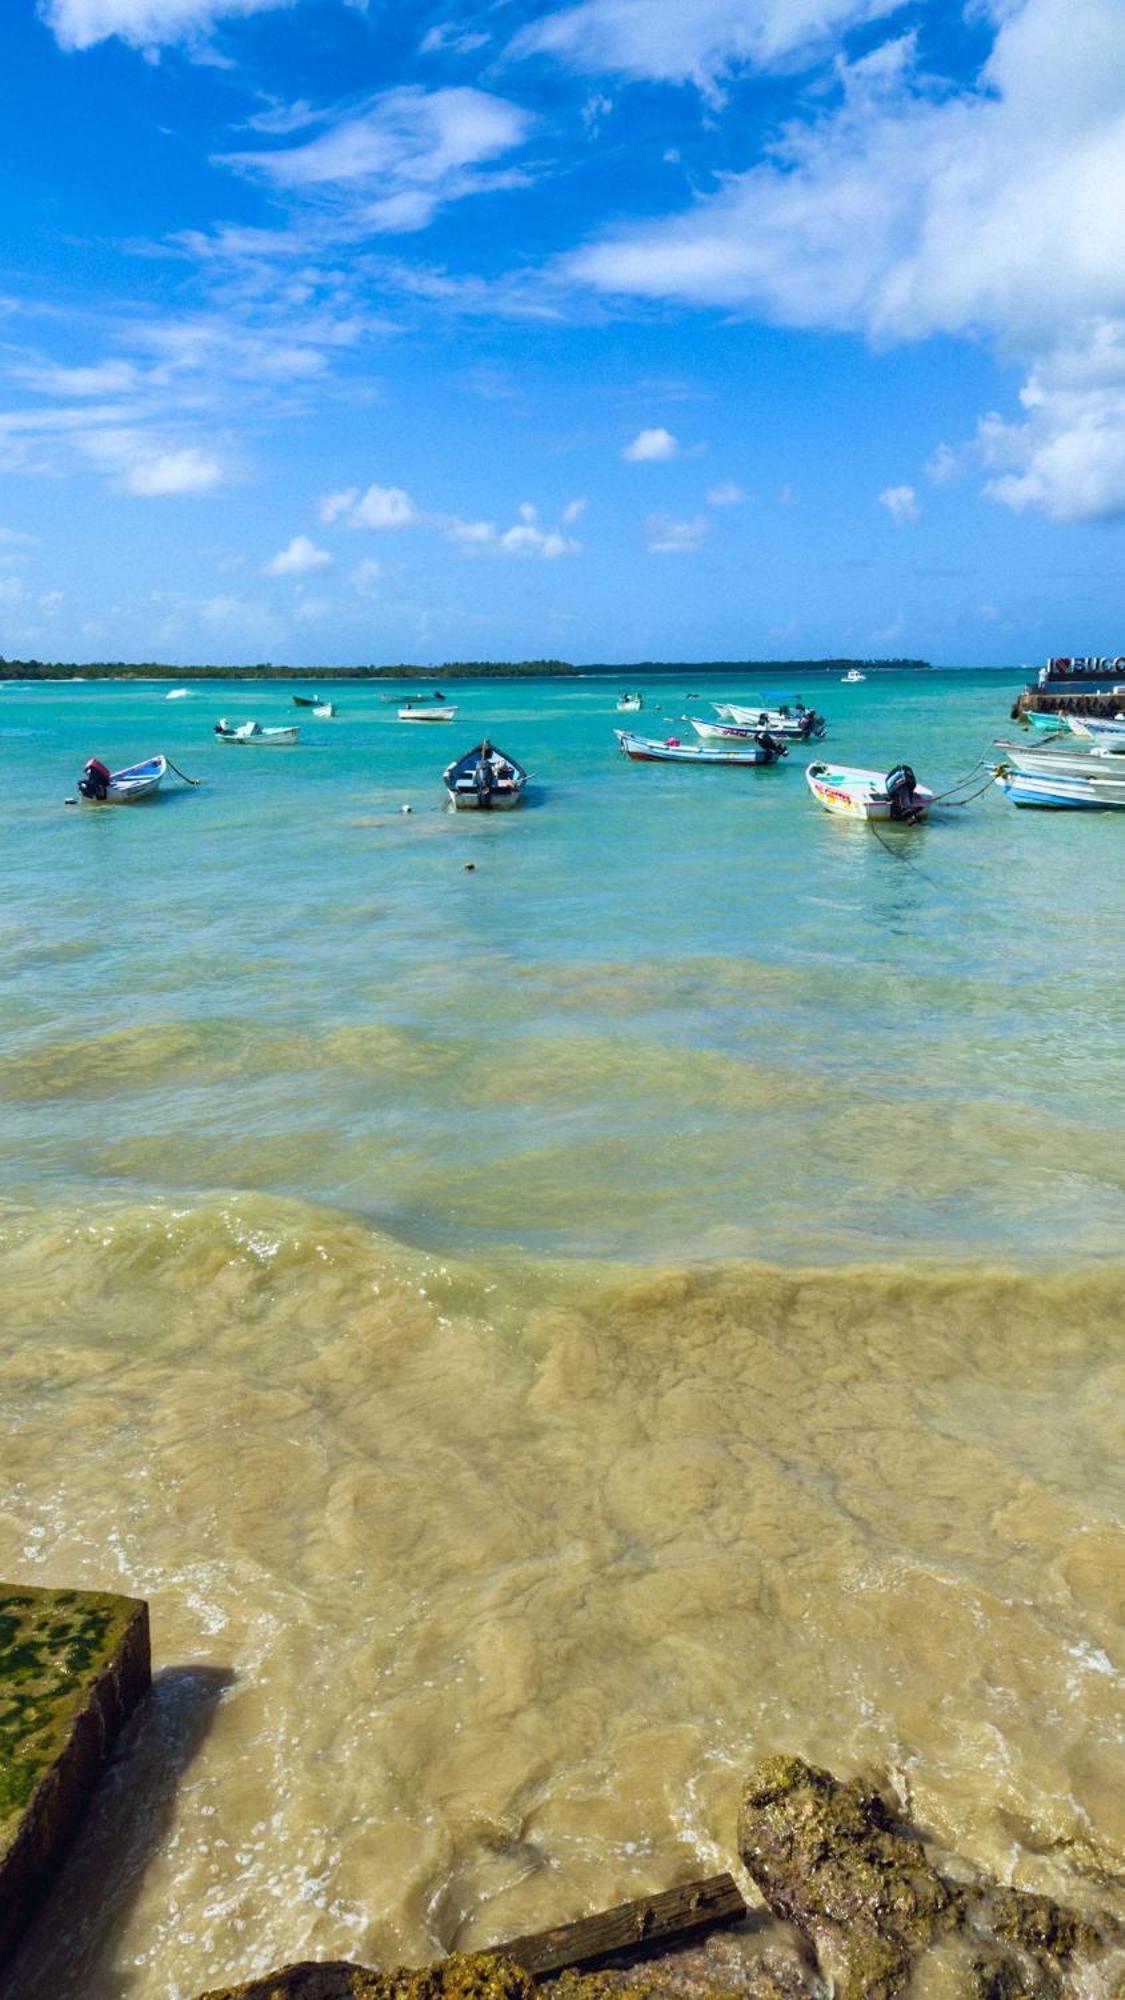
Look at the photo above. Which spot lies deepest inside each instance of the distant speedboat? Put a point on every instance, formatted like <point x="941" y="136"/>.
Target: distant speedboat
<point x="416" y="713"/>
<point x="645" y="750"/>
<point x="178" y="694"/>
<point x="98" y="785"/>
<point x="860" y="794"/>
<point x="252" y="732"/>
<point x="485" y="779"/>
<point x="852" y="678"/>
<point x="630" y="704"/>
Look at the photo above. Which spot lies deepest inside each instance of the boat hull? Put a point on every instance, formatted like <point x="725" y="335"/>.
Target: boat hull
<point x="643" y="750"/>
<point x="426" y="714"/>
<point x="471" y="787"/>
<point x="852" y="793"/>
<point x="260" y="739"/>
<point x="134" y="783"/>
<point x="1063" y="793"/>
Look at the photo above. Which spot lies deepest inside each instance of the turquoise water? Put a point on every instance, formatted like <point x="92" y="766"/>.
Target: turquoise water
<point x="666" y="1013"/>
<point x="542" y="1337"/>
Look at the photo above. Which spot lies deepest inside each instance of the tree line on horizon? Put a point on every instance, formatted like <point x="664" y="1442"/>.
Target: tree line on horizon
<point x="450" y="669"/>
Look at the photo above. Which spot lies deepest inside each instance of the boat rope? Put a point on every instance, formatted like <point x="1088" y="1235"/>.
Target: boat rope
<point x="182" y="774"/>
<point x="945" y="799"/>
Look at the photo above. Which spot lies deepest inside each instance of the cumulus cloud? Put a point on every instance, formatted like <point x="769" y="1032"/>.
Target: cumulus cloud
<point x="942" y="465"/>
<point x="901" y="503"/>
<point x="365" y="576"/>
<point x="526" y="537"/>
<point x="908" y="208"/>
<point x="666" y="537"/>
<point x="652" y="447"/>
<point x="139" y="465"/>
<point x="690" y="41"/>
<point x="725" y="495"/>
<point x="146" y="24"/>
<point x="379" y="507"/>
<point x="1067" y="459"/>
<point x="392" y="164"/>
<point x="300" y="558"/>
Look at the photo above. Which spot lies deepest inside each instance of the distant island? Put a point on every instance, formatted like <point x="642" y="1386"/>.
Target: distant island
<point x="449" y="670"/>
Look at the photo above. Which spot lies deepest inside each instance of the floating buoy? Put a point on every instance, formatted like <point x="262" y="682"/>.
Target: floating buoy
<point x="469" y="866"/>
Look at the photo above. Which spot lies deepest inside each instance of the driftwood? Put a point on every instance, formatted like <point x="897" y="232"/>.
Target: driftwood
<point x="651" y="1923"/>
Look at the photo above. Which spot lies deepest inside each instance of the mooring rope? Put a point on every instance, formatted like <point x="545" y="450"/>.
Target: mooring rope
<point x="182" y="774"/>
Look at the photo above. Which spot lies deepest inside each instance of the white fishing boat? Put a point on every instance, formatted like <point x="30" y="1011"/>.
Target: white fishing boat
<point x="858" y="794"/>
<point x="1108" y="731"/>
<point x="1069" y="757"/>
<point x="645" y="750"/>
<point x="485" y="779"/>
<point x="852" y="678"/>
<point x="732" y="732"/>
<point x="442" y="712"/>
<point x="253" y="733"/>
<point x="1064" y="791"/>
<point x="630" y="704"/>
<point x="98" y="785"/>
<point x="790" y="719"/>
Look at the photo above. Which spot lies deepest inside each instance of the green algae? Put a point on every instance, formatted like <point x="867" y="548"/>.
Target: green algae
<point x="54" y="1646"/>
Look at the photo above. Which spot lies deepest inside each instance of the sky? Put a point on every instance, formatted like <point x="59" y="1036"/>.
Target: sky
<point x="605" y="330"/>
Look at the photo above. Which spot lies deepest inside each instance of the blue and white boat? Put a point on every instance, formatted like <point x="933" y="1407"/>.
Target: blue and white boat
<point x="1106" y="731"/>
<point x="1064" y="790"/>
<point x="98" y="785"/>
<point x="646" y="750"/>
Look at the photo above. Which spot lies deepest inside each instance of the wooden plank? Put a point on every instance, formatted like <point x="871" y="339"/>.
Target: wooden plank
<point x="651" y="1923"/>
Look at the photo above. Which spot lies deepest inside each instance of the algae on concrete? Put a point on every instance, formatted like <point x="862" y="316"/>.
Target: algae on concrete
<point x="73" y="1664"/>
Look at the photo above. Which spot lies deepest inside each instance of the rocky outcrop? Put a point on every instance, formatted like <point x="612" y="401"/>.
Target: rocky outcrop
<point x="73" y="1664"/>
<point x="834" y="1861"/>
<point x="486" y="1976"/>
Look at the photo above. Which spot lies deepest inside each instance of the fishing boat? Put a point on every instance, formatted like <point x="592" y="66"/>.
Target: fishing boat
<point x="485" y="779"/>
<point x="319" y="706"/>
<point x="630" y="704"/>
<point x="733" y="732"/>
<point x="430" y="713"/>
<point x="1107" y="731"/>
<point x="859" y="794"/>
<point x="644" y="750"/>
<point x="790" y="719"/>
<point x="98" y="785"/>
<point x="252" y="732"/>
<point x="1047" y="724"/>
<point x="1069" y="757"/>
<point x="1063" y="790"/>
<point x="413" y="700"/>
<point x="852" y="678"/>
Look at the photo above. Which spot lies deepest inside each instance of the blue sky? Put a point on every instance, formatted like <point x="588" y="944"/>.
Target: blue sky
<point x="612" y="330"/>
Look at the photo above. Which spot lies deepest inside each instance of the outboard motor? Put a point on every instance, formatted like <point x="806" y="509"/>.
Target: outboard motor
<point x="94" y="782"/>
<point x="901" y="785"/>
<point x="769" y="742"/>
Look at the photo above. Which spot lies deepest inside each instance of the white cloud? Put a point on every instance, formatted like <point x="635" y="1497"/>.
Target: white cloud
<point x="909" y="208"/>
<point x="652" y="447"/>
<point x="696" y="41"/>
<point x="1067" y="459"/>
<point x="395" y="162"/>
<point x="140" y="465"/>
<point x="667" y="537"/>
<point x="942" y="465"/>
<point x="298" y="559"/>
<point x="901" y="503"/>
<point x="334" y="505"/>
<point x="573" y="512"/>
<point x="365" y="576"/>
<point x="79" y="24"/>
<point x="726" y="495"/>
<point x="382" y="507"/>
<point x="526" y="537"/>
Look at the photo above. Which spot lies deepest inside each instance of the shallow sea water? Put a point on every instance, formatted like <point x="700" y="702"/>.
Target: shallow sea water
<point x="545" y="1336"/>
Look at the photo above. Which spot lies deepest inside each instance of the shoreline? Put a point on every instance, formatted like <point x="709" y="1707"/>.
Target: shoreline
<point x="497" y="670"/>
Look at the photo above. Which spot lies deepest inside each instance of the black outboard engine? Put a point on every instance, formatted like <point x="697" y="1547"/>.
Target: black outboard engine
<point x="94" y="782"/>
<point x="901" y="785"/>
<point x="769" y="742"/>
